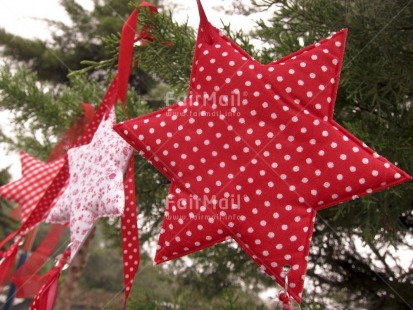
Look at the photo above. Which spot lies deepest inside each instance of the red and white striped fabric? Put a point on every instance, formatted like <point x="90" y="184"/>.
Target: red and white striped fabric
<point x="37" y="176"/>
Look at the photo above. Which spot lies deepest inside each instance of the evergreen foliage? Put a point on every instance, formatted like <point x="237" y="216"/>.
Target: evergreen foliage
<point x="7" y="224"/>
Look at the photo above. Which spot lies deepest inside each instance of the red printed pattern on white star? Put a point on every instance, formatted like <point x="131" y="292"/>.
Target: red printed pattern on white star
<point x="95" y="186"/>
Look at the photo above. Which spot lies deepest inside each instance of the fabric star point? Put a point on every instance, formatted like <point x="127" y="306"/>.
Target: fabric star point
<point x="253" y="153"/>
<point x="37" y="176"/>
<point x="95" y="187"/>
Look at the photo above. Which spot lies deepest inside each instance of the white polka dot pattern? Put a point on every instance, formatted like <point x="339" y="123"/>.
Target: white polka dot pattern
<point x="130" y="239"/>
<point x="95" y="187"/>
<point x="253" y="153"/>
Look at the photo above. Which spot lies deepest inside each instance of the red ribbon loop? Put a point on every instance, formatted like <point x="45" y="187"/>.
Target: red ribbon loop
<point x="204" y="24"/>
<point x="126" y="49"/>
<point x="125" y="54"/>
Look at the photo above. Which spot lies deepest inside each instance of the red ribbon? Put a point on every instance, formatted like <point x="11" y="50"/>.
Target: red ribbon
<point x="126" y="49"/>
<point x="8" y="258"/>
<point x="7" y="263"/>
<point x="129" y="229"/>
<point x="144" y="36"/>
<point x="73" y="132"/>
<point x="7" y="239"/>
<point x="129" y="224"/>
<point x="26" y="278"/>
<point x="46" y="297"/>
<point x="125" y="55"/>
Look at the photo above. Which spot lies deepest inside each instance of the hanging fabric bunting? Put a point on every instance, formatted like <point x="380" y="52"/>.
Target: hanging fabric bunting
<point x="88" y="178"/>
<point x="37" y="188"/>
<point x="92" y="173"/>
<point x="26" y="281"/>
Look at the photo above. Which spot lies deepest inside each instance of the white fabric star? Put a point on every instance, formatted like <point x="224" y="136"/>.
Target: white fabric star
<point x="95" y="187"/>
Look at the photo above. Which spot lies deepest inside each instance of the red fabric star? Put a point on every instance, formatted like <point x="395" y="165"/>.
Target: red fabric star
<point x="253" y="153"/>
<point x="36" y="178"/>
